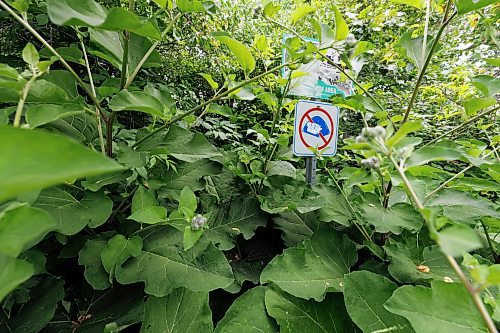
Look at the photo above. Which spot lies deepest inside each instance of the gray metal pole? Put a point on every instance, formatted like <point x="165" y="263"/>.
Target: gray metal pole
<point x="311" y="170"/>
<point x="311" y="164"/>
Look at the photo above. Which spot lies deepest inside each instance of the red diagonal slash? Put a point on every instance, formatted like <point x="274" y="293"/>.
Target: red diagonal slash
<point x="320" y="134"/>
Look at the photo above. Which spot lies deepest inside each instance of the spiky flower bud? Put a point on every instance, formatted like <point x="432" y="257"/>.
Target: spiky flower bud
<point x="371" y="162"/>
<point x="197" y="222"/>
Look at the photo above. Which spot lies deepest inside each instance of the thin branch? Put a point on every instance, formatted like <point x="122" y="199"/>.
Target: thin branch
<point x="444" y="24"/>
<point x="150" y="50"/>
<point x="54" y="52"/>
<point x="22" y="99"/>
<point x="459" y="127"/>
<point x="214" y="99"/>
<point x="456" y="176"/>
<point x="92" y="87"/>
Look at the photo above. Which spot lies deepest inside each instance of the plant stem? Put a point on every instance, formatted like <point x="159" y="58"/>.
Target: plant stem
<point x="214" y="99"/>
<point x="123" y="79"/>
<point x="318" y="52"/>
<point x="360" y="227"/>
<point x="458" y="270"/>
<point x="443" y="185"/>
<point x="22" y="100"/>
<point x="92" y="87"/>
<point x="54" y="52"/>
<point x="270" y="152"/>
<point x="459" y="127"/>
<point x="490" y="245"/>
<point x="150" y="50"/>
<point x="444" y="24"/>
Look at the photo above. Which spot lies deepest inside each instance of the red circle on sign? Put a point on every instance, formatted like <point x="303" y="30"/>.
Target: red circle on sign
<point x="306" y="116"/>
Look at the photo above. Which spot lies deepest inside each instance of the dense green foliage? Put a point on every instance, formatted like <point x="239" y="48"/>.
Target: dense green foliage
<point x="147" y="182"/>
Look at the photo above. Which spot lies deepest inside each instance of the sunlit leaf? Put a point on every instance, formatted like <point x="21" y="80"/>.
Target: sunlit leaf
<point x="34" y="159"/>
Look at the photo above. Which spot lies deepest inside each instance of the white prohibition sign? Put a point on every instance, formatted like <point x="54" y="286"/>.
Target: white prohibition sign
<point x="316" y="126"/>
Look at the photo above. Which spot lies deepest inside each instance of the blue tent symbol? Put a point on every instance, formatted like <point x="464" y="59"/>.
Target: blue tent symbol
<point x="317" y="126"/>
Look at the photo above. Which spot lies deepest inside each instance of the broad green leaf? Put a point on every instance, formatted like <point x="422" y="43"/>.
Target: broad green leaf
<point x="72" y="215"/>
<point x="39" y="310"/>
<point x="41" y="114"/>
<point x="164" y="266"/>
<point x="188" y="146"/>
<point x="413" y="47"/>
<point x="76" y="12"/>
<point x="429" y="311"/>
<point x="341" y="28"/>
<point x="240" y="51"/>
<point x="298" y="315"/>
<point x="428" y="154"/>
<point x="393" y="219"/>
<point x="210" y="80"/>
<point x="137" y="101"/>
<point x="187" y="202"/>
<point x="327" y="36"/>
<point x="314" y="267"/>
<point x="33" y="160"/>
<point x="30" y="54"/>
<point x="475" y="184"/>
<point x="130" y="158"/>
<point x="108" y="45"/>
<point x="121" y="19"/>
<point x="190" y="237"/>
<point x="336" y="208"/>
<point x="150" y="215"/>
<point x="300" y="12"/>
<point x="365" y="294"/>
<point x="190" y="6"/>
<point x="465" y="6"/>
<point x="118" y="250"/>
<point x="473" y="105"/>
<point x="163" y="94"/>
<point x="409" y="262"/>
<point x="270" y="9"/>
<point x="123" y="305"/>
<point x="187" y="174"/>
<point x="22" y="227"/>
<point x="487" y="85"/>
<point x="88" y="13"/>
<point x="240" y="216"/>
<point x="248" y="314"/>
<point x="414" y="3"/>
<point x="13" y="273"/>
<point x="403" y="131"/>
<point x="281" y="168"/>
<point x="458" y="239"/>
<point x="461" y="207"/>
<point x="182" y="310"/>
<point x="244" y="271"/>
<point x="90" y="257"/>
<point x="287" y="194"/>
<point x="493" y="61"/>
<point x="95" y="183"/>
<point x="296" y="227"/>
<point x="143" y="198"/>
<point x="8" y="72"/>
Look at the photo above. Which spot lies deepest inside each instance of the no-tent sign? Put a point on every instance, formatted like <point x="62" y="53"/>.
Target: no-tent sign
<point x="316" y="126"/>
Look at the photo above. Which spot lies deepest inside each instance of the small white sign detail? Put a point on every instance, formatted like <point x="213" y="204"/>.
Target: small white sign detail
<point x="316" y="126"/>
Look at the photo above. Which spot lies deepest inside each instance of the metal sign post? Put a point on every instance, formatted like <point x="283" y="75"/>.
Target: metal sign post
<point x="311" y="170"/>
<point x="311" y="164"/>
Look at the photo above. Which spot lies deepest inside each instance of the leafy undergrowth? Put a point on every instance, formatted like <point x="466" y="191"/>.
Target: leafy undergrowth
<point x="128" y="204"/>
